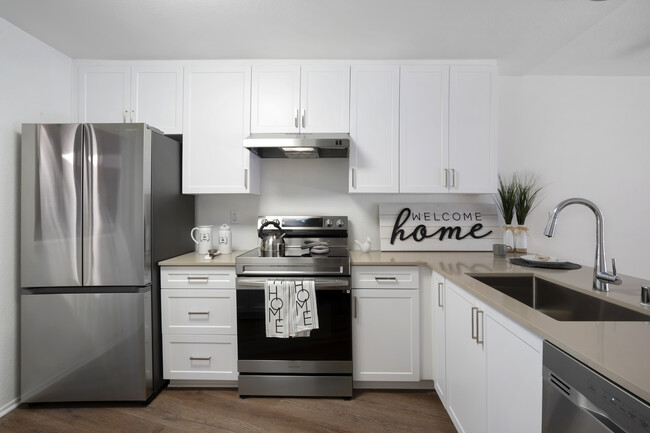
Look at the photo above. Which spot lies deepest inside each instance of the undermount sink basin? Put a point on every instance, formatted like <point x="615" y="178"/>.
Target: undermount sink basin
<point x="559" y="302"/>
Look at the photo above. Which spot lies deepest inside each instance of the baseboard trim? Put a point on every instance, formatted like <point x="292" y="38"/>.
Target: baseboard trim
<point x="9" y="406"/>
<point x="186" y="383"/>
<point x="422" y="384"/>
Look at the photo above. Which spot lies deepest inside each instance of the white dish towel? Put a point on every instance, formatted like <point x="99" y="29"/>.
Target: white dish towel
<point x="290" y="308"/>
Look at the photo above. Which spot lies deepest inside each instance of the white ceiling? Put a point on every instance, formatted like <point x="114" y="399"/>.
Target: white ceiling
<point x="577" y="37"/>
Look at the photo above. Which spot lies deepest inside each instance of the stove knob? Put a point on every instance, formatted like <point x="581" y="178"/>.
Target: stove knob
<point x="339" y="223"/>
<point x="328" y="222"/>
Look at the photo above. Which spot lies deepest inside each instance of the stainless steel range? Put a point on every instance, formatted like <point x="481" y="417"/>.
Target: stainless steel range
<point x="296" y="249"/>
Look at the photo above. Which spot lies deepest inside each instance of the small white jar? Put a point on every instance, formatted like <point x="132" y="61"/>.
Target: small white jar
<point x="225" y="239"/>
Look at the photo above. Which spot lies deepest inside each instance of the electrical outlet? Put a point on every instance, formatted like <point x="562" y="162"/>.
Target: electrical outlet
<point x="234" y="217"/>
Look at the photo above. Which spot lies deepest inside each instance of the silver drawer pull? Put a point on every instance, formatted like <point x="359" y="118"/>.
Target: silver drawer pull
<point x="204" y="278"/>
<point x="386" y="279"/>
<point x="198" y="312"/>
<point x="196" y="358"/>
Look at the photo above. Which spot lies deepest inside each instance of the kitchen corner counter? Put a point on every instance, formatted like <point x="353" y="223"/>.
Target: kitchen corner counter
<point x="618" y="350"/>
<point x="195" y="259"/>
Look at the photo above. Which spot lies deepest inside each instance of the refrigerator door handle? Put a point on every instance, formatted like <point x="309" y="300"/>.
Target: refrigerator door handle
<point x="86" y="206"/>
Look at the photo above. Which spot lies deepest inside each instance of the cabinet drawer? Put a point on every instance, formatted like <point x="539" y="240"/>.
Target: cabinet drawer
<point x="199" y="311"/>
<point x="385" y="277"/>
<point x="202" y="357"/>
<point x="197" y="276"/>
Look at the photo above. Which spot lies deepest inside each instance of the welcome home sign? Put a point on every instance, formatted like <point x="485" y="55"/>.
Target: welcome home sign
<point x="438" y="227"/>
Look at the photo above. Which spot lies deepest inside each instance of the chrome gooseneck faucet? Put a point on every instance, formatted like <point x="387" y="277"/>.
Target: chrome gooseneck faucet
<point x="602" y="279"/>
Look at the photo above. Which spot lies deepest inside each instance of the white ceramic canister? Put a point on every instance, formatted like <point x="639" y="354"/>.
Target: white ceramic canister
<point x="203" y="238"/>
<point x="225" y="239"/>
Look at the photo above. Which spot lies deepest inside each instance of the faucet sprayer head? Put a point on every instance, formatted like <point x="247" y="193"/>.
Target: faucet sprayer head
<point x="550" y="226"/>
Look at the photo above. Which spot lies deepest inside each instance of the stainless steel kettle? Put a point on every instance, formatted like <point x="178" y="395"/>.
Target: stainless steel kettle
<point x="272" y="242"/>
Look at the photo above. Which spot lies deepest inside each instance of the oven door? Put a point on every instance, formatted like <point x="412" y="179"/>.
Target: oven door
<point x="328" y="350"/>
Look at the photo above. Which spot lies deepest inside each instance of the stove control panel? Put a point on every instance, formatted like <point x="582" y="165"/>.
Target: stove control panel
<point x="307" y="223"/>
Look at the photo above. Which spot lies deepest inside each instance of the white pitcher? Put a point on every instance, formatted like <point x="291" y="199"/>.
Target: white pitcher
<point x="204" y="238"/>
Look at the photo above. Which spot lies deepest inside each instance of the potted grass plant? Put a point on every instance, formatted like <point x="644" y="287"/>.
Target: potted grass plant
<point x="505" y="201"/>
<point x="527" y="190"/>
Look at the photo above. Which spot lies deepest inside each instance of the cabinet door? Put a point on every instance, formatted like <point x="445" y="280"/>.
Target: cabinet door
<point x="325" y="99"/>
<point x="374" y="129"/>
<point x="104" y="94"/>
<point x="439" y="361"/>
<point x="472" y="129"/>
<point x="385" y="335"/>
<point x="216" y="121"/>
<point x="424" y="112"/>
<point x="466" y="370"/>
<point x="514" y="377"/>
<point x="276" y="99"/>
<point x="157" y="97"/>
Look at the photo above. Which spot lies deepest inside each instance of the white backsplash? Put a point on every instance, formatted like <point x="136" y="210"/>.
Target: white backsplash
<point x="308" y="187"/>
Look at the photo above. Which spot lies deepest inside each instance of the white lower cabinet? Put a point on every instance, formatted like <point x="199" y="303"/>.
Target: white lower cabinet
<point x="514" y="377"/>
<point x="465" y="354"/>
<point x="493" y="368"/>
<point x="439" y="349"/>
<point x="385" y="324"/>
<point x="199" y="323"/>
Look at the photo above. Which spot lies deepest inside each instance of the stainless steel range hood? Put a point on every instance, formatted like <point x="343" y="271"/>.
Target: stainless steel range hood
<point x="298" y="145"/>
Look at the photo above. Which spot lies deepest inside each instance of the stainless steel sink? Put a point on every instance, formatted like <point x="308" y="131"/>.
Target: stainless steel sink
<point x="559" y="302"/>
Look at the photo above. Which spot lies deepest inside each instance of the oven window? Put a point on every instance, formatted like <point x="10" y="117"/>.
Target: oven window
<point x="331" y="342"/>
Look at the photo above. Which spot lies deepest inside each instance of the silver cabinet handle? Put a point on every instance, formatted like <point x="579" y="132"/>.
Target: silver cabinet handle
<point x="197" y="358"/>
<point x="474" y="334"/>
<point x="295" y="119"/>
<point x="198" y="312"/>
<point x="356" y="307"/>
<point x="354" y="178"/>
<point x="303" y="118"/>
<point x="126" y="113"/>
<point x="132" y="114"/>
<point x="445" y="177"/>
<point x="378" y="279"/>
<point x="479" y="340"/>
<point x="203" y="279"/>
<point x="453" y="178"/>
<point x="246" y="179"/>
<point x="440" y="295"/>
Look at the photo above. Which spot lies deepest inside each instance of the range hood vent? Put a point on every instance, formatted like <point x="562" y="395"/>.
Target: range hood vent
<point x="301" y="146"/>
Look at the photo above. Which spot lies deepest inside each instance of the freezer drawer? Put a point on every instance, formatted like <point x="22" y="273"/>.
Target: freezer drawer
<point x="86" y="346"/>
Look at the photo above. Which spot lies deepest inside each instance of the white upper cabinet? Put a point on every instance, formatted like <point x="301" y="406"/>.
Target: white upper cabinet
<point x="435" y="134"/>
<point x="472" y="129"/>
<point x="294" y="98"/>
<point x="157" y="97"/>
<point x="374" y="129"/>
<point x="325" y="99"/>
<point x="104" y="94"/>
<point x="216" y="116"/>
<point x="424" y="116"/>
<point x="276" y="99"/>
<point x="140" y="93"/>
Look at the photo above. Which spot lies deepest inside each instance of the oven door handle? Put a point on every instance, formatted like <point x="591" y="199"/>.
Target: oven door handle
<point x="319" y="284"/>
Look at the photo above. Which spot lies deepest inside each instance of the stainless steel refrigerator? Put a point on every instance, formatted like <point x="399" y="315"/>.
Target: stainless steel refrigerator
<point x="101" y="204"/>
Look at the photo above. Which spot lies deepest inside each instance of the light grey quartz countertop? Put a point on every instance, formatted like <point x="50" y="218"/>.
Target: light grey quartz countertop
<point x="195" y="259"/>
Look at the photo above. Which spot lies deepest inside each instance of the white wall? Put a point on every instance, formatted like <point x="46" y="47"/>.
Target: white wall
<point x="35" y="86"/>
<point x="585" y="137"/>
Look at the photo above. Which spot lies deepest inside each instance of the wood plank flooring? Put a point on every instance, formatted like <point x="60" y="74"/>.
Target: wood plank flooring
<point x="219" y="410"/>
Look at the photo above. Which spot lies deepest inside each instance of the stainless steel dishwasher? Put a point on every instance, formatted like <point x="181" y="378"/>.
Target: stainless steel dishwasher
<point x="579" y="400"/>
